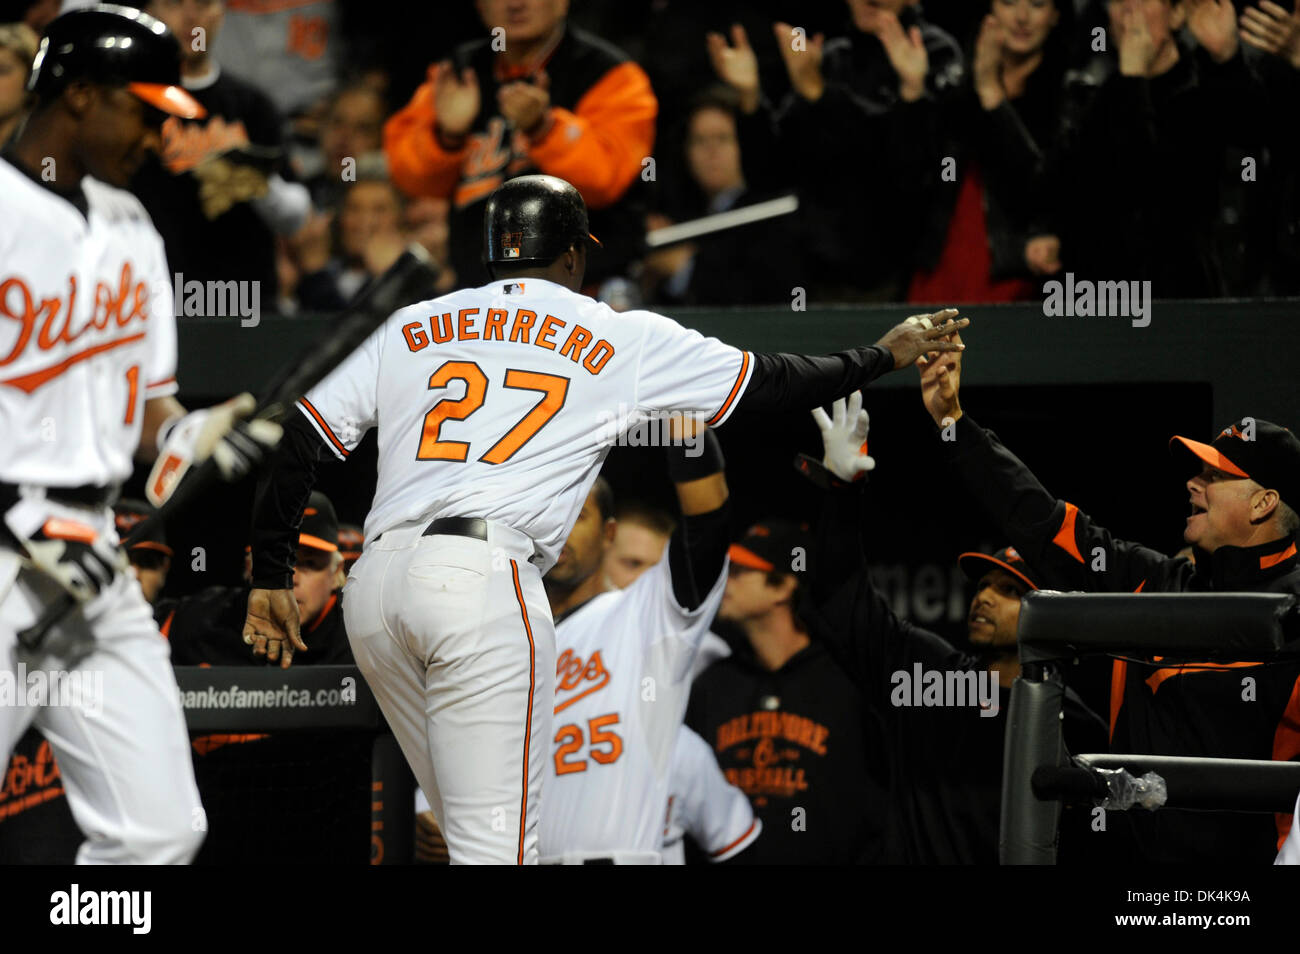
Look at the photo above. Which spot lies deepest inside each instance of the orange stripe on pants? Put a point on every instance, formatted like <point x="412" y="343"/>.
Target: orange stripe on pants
<point x="532" y="685"/>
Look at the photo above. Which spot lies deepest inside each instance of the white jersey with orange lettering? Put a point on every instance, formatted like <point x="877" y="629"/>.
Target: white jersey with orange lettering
<point x="501" y="402"/>
<point x="623" y="678"/>
<point x="495" y="407"/>
<point x="88" y="336"/>
<point x="703" y="804"/>
<point x="89" y="333"/>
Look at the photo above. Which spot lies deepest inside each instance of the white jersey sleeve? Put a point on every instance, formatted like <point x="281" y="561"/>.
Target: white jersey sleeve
<point x="681" y="370"/>
<point x="670" y="634"/>
<point x="703" y="804"/>
<point x="345" y="403"/>
<point x="1290" y="853"/>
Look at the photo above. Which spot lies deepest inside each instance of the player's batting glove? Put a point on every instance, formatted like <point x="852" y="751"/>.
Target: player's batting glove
<point x="80" y="560"/>
<point x="844" y="438"/>
<point x="236" y="446"/>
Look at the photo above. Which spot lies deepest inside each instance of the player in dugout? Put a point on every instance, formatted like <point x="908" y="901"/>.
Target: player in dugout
<point x="945" y="750"/>
<point x="1243" y="491"/>
<point x="623" y="672"/>
<point x="207" y="628"/>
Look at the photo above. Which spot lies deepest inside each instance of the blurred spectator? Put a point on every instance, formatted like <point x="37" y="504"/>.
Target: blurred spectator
<point x="150" y="556"/>
<point x="351" y="539"/>
<point x="17" y="49"/>
<point x="1133" y="181"/>
<point x="35" y="14"/>
<point x="1269" y="27"/>
<point x="787" y="725"/>
<point x="208" y="626"/>
<point x="353" y="129"/>
<point x="754" y="264"/>
<point x="216" y="193"/>
<point x="979" y="248"/>
<point x="857" y="135"/>
<point x="542" y="97"/>
<point x="290" y="51"/>
<point x="327" y="267"/>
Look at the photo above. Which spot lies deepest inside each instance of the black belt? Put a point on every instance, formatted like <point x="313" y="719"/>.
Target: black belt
<point x="475" y="527"/>
<point x="87" y="495"/>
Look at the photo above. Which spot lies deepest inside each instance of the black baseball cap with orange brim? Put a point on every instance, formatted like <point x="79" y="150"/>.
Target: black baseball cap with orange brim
<point x="975" y="565"/>
<point x="114" y="45"/>
<point x="781" y="545"/>
<point x="1262" y="451"/>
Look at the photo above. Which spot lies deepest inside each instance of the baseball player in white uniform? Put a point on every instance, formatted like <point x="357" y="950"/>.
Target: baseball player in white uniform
<point x="87" y="374"/>
<point x="495" y="407"/>
<point x="624" y="670"/>
<point x="703" y="804"/>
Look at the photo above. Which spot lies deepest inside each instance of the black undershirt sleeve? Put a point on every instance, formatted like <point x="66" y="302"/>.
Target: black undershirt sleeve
<point x="696" y="553"/>
<point x="790" y="381"/>
<point x="282" y="493"/>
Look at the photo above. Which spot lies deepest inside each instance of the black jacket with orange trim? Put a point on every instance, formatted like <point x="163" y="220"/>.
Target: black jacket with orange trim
<point x="945" y="776"/>
<point x="599" y="130"/>
<point x="207" y="629"/>
<point x="1194" y="711"/>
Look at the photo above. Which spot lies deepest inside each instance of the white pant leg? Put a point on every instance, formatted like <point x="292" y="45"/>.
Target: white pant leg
<point x="15" y="604"/>
<point x="125" y="756"/>
<point x="395" y="675"/>
<point x="474" y="615"/>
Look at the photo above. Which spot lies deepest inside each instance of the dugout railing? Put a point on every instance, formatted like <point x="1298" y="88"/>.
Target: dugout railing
<point x="234" y="702"/>
<point x="1179" y="627"/>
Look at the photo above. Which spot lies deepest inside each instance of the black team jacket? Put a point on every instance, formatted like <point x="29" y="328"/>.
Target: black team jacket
<point x="1191" y="711"/>
<point x="945" y="761"/>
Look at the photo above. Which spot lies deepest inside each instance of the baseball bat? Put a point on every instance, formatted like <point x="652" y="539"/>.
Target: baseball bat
<point x="721" y="221"/>
<point x="413" y="271"/>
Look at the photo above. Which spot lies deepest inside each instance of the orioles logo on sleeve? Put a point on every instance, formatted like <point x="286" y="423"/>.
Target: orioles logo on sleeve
<point x="573" y="675"/>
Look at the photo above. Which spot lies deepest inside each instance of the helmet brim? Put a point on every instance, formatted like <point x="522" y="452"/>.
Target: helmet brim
<point x="172" y="100"/>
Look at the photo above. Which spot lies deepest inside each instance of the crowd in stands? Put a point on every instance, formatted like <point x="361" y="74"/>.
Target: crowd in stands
<point x="945" y="152"/>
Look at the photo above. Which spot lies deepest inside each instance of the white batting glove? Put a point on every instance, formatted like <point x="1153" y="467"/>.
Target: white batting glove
<point x="217" y="432"/>
<point x="844" y="438"/>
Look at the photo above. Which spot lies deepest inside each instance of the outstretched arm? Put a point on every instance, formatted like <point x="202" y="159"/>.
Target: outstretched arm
<point x="697" y="552"/>
<point x="784" y="381"/>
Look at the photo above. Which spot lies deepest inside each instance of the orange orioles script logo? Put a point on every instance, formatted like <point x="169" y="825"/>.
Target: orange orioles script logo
<point x="29" y="781"/>
<point x="45" y="323"/>
<point x="771" y="742"/>
<point x="572" y="675"/>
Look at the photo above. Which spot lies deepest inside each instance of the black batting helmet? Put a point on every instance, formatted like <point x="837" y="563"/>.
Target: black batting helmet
<point x="117" y="45"/>
<point x="531" y="220"/>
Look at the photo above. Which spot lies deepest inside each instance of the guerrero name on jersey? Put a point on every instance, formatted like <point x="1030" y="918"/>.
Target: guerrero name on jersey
<point x="548" y="377"/>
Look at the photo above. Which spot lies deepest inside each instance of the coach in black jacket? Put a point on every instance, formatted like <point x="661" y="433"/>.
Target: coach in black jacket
<point x="1242" y="529"/>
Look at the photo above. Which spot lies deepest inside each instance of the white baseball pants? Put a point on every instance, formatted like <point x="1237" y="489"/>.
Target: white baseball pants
<point x="121" y="746"/>
<point x="455" y="638"/>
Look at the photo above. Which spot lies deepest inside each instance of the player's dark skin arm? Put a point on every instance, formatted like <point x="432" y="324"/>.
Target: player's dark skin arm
<point x="698" y="550"/>
<point x="781" y="382"/>
<point x="272" y="625"/>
